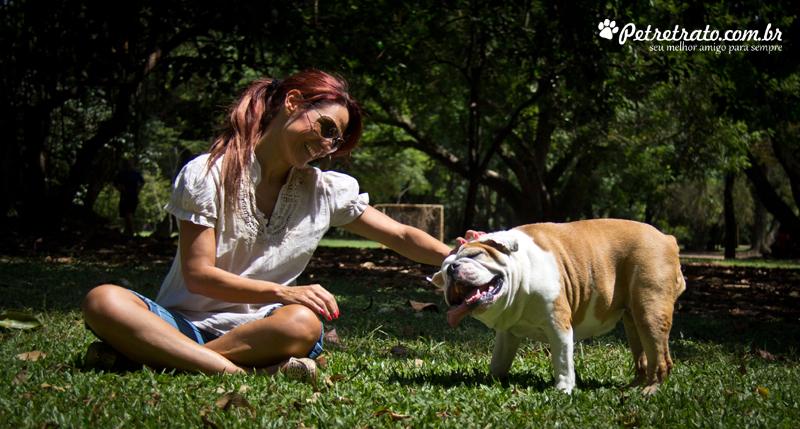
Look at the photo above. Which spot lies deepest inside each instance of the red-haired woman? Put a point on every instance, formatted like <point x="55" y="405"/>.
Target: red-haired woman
<point x="251" y="213"/>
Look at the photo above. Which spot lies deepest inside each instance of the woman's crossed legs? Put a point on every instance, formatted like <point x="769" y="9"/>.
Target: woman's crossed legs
<point x="125" y="321"/>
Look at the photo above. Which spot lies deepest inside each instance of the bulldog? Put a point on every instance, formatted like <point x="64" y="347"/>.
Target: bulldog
<point x="560" y="283"/>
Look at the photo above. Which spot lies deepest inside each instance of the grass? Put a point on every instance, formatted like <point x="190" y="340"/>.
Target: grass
<point x="442" y="382"/>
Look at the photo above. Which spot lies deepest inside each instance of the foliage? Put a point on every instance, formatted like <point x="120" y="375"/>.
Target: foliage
<point x="522" y="111"/>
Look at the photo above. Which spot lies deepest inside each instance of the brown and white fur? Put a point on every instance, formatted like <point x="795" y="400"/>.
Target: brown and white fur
<point x="560" y="283"/>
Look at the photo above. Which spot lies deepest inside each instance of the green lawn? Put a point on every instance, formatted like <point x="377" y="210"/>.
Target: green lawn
<point x="720" y="378"/>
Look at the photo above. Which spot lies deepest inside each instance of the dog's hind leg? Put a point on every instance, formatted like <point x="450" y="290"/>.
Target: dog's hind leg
<point x="653" y="328"/>
<point x="635" y="343"/>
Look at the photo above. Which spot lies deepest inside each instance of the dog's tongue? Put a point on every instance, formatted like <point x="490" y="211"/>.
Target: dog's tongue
<point x="458" y="314"/>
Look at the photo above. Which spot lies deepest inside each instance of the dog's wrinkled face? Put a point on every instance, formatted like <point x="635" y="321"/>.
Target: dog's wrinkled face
<point x="474" y="279"/>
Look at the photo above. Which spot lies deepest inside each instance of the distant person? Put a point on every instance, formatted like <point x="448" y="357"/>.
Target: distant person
<point x="129" y="183"/>
<point x="251" y="213"/>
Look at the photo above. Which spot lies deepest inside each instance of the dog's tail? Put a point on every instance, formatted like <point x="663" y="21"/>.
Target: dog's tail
<point x="680" y="283"/>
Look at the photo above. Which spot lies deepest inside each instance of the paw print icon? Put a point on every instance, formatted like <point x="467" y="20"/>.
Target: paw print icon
<point x="608" y="29"/>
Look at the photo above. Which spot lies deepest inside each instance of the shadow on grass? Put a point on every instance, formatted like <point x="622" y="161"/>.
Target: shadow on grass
<point x="470" y="377"/>
<point x="474" y="377"/>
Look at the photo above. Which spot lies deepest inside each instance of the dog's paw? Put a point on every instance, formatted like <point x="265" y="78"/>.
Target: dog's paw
<point x="650" y="390"/>
<point x="565" y="387"/>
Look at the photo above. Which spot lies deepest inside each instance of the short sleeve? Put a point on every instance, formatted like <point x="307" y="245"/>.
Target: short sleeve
<point x="346" y="204"/>
<point x="195" y="194"/>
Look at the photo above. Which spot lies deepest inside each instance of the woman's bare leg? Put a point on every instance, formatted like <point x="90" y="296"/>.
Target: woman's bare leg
<point x="125" y="321"/>
<point x="289" y="331"/>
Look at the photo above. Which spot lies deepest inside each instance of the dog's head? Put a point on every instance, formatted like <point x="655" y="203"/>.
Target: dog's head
<point x="476" y="277"/>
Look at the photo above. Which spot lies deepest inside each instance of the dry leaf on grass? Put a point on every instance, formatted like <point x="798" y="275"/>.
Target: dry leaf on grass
<point x="206" y="421"/>
<point x="392" y="414"/>
<point x="21" y="377"/>
<point x="60" y="389"/>
<point x="762" y="391"/>
<point x="742" y="369"/>
<point x="15" y="320"/>
<point x="400" y="351"/>
<point x="332" y="337"/>
<point x="233" y="399"/>
<point x="423" y="306"/>
<point x="766" y="355"/>
<point x="31" y="356"/>
<point x="322" y="360"/>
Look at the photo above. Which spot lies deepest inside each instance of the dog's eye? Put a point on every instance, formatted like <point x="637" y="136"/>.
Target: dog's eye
<point x="473" y="253"/>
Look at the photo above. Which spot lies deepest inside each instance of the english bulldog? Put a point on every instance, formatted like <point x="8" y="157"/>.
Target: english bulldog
<point x="563" y="282"/>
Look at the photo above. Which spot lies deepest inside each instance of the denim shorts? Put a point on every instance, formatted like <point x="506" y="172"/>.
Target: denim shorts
<point x="201" y="336"/>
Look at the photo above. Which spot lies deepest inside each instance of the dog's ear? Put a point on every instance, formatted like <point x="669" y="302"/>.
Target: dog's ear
<point x="438" y="279"/>
<point x="502" y="241"/>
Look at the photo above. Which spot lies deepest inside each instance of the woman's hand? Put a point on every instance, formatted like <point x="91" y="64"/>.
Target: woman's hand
<point x="469" y="236"/>
<point x="314" y="297"/>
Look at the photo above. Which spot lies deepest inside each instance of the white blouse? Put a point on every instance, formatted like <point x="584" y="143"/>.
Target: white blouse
<point x="276" y="249"/>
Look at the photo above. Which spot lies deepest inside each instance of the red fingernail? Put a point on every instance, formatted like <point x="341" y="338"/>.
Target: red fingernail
<point x="321" y="311"/>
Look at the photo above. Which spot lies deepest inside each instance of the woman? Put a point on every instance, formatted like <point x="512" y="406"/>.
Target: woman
<point x="251" y="213"/>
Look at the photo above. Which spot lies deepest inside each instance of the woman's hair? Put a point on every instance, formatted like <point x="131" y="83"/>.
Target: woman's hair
<point x="249" y="116"/>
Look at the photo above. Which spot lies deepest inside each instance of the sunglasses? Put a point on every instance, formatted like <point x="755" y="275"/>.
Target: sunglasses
<point x="326" y="127"/>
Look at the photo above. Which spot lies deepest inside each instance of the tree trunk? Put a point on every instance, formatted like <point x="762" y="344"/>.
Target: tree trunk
<point x="731" y="235"/>
<point x="771" y="200"/>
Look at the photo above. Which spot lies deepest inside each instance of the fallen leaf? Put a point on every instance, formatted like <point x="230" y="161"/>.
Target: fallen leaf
<point x="386" y="310"/>
<point x="60" y="389"/>
<point x="343" y="400"/>
<point x="32" y="356"/>
<point x="766" y="355"/>
<point x="21" y="377"/>
<point x="742" y="369"/>
<point x="418" y="363"/>
<point x="243" y="389"/>
<point x="794" y="294"/>
<point x="19" y="321"/>
<point x="206" y="421"/>
<point x="399" y="351"/>
<point x="321" y="360"/>
<point x="443" y="414"/>
<point x="409" y="331"/>
<point x="423" y="306"/>
<point x="313" y="398"/>
<point x="762" y="391"/>
<point x="337" y="377"/>
<point x="391" y="414"/>
<point x="233" y="399"/>
<point x="331" y="337"/>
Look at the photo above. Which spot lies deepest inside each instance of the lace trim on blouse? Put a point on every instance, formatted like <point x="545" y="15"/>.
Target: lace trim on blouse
<point x="277" y="229"/>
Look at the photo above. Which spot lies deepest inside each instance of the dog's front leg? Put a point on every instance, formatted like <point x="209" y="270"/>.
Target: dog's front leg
<point x="506" y="345"/>
<point x="561" y="344"/>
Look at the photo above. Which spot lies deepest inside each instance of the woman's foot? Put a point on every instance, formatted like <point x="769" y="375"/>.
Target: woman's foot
<point x="104" y="357"/>
<point x="303" y="370"/>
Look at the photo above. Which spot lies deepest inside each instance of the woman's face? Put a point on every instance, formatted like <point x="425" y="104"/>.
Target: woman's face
<point x="312" y="131"/>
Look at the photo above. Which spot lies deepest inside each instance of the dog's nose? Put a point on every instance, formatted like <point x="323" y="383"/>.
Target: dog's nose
<point x="451" y="269"/>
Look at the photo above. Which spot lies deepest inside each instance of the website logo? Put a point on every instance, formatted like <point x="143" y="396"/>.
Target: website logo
<point x="708" y="39"/>
<point x="608" y="29"/>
